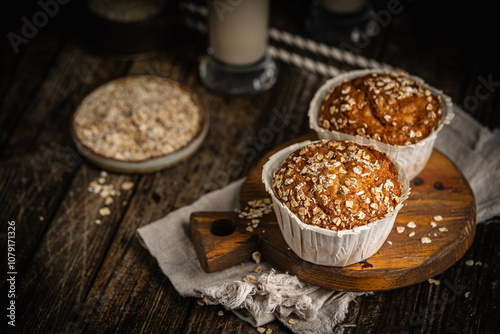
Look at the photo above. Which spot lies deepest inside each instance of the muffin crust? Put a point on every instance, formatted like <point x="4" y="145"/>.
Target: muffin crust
<point x="390" y="108"/>
<point x="337" y="185"/>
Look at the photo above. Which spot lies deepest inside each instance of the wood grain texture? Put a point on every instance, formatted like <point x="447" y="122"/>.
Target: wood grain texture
<point x="440" y="190"/>
<point x="79" y="277"/>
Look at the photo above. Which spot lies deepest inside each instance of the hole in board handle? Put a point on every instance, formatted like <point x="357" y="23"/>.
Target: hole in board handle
<point x="222" y="227"/>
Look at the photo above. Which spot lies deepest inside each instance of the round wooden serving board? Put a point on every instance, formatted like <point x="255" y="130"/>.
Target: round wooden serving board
<point x="221" y="238"/>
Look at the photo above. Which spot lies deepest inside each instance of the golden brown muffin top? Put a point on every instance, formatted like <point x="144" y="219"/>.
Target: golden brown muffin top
<point x="337" y="185"/>
<point x="390" y="108"/>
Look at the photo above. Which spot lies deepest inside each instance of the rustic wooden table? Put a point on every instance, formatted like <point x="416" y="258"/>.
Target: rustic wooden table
<point x="76" y="276"/>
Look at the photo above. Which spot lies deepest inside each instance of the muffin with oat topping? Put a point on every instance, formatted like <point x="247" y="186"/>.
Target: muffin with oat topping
<point x="337" y="185"/>
<point x="387" y="107"/>
<point x="397" y="113"/>
<point x="336" y="201"/>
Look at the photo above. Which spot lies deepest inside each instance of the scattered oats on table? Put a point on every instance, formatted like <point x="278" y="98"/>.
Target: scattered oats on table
<point x="434" y="281"/>
<point x="220" y="313"/>
<point x="400" y="229"/>
<point x="443" y="229"/>
<point x="469" y="263"/>
<point x="104" y="211"/>
<point x="389" y="242"/>
<point x="411" y="234"/>
<point x="127" y="185"/>
<point x="438" y="218"/>
<point x="261" y="330"/>
<point x="411" y="225"/>
<point x="433" y="224"/>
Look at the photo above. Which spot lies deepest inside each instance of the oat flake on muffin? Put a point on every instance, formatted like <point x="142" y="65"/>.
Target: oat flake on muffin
<point x="337" y="185"/>
<point x="390" y="108"/>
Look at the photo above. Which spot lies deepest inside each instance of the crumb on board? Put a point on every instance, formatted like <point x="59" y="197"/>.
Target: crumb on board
<point x="256" y="256"/>
<point x="425" y="240"/>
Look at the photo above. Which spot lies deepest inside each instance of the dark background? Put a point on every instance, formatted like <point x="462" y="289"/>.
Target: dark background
<point x="451" y="45"/>
<point x="458" y="32"/>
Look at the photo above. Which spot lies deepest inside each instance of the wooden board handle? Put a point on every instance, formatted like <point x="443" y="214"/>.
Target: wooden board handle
<point x="221" y="239"/>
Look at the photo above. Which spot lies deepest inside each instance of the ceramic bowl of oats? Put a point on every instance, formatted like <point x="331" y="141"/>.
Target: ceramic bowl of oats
<point x="139" y="124"/>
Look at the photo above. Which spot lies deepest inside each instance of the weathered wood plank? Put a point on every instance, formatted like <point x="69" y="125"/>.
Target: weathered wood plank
<point x="41" y="163"/>
<point x="230" y="118"/>
<point x="97" y="278"/>
<point x="69" y="254"/>
<point x="37" y="173"/>
<point x="22" y="76"/>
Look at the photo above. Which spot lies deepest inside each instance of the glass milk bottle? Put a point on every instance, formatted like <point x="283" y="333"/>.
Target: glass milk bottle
<point x="237" y="62"/>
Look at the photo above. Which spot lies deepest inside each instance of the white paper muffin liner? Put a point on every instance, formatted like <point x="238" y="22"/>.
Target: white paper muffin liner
<point x="413" y="157"/>
<point x="325" y="247"/>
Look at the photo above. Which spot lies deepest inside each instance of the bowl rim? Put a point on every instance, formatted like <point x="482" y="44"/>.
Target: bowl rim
<point x="153" y="162"/>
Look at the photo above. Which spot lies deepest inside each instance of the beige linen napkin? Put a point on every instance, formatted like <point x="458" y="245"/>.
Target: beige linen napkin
<point x="276" y="295"/>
